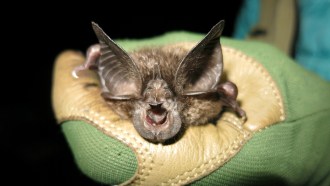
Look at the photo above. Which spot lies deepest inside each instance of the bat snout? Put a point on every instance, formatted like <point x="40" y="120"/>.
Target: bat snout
<point x="156" y="121"/>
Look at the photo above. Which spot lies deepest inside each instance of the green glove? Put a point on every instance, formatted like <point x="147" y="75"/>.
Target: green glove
<point x="285" y="140"/>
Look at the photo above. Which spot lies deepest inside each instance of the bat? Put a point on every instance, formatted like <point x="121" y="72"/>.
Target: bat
<point x="163" y="90"/>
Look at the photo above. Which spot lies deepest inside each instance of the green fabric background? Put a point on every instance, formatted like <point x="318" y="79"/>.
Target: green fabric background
<point x="294" y="152"/>
<point x="100" y="157"/>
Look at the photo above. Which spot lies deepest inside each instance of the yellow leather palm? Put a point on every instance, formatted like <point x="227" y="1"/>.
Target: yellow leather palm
<point x="202" y="149"/>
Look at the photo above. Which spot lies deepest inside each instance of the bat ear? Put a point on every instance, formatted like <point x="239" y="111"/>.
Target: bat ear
<point x="120" y="77"/>
<point x="199" y="72"/>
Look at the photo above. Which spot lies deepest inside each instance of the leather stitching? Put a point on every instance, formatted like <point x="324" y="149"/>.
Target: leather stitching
<point x="144" y="156"/>
<point x="266" y="75"/>
<point x="240" y="139"/>
<point x="99" y="121"/>
<point x="209" y="165"/>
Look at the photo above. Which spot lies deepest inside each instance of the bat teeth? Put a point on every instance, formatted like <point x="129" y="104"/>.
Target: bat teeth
<point x="156" y="115"/>
<point x="156" y="104"/>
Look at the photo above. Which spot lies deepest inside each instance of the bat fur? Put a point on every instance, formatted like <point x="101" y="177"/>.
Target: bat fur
<point x="163" y="90"/>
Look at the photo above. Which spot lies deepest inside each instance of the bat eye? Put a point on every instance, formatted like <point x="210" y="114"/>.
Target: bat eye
<point x="148" y="89"/>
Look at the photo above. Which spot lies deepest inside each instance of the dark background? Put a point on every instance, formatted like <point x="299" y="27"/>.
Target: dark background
<point x="33" y="148"/>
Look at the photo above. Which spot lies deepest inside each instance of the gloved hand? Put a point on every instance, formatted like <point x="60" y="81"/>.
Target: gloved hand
<point x="285" y="139"/>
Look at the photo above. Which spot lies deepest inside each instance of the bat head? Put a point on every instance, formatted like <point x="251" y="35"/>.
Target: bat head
<point x="156" y="109"/>
<point x="156" y="116"/>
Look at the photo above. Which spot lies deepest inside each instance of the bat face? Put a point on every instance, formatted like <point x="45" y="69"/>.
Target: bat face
<point x="156" y="115"/>
<point x="159" y="109"/>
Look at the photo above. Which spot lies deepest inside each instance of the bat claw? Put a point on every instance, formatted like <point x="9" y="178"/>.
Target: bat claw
<point x="74" y="74"/>
<point x="243" y="119"/>
<point x="75" y="71"/>
<point x="241" y="113"/>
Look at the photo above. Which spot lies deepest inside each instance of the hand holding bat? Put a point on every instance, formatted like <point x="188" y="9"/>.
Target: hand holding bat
<point x="163" y="90"/>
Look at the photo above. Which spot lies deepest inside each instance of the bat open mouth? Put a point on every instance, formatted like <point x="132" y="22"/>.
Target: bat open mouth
<point x="157" y="122"/>
<point x="156" y="115"/>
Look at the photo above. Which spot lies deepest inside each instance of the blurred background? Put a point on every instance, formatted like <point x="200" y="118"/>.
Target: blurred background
<point x="33" y="147"/>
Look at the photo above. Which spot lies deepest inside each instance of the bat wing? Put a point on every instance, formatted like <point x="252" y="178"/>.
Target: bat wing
<point x="120" y="77"/>
<point x="199" y="72"/>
